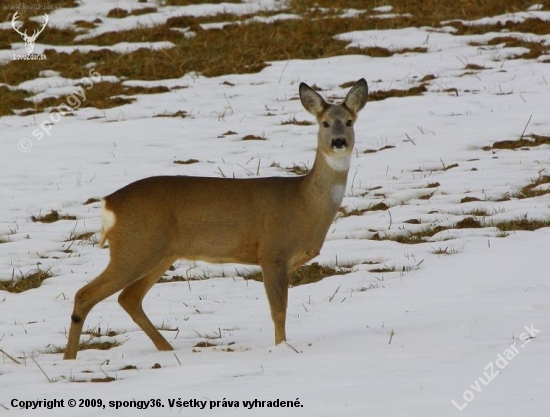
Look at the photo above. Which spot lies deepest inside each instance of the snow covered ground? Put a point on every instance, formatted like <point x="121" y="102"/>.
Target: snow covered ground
<point x="422" y="339"/>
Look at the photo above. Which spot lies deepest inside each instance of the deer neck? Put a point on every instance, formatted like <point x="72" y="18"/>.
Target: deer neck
<point x="326" y="183"/>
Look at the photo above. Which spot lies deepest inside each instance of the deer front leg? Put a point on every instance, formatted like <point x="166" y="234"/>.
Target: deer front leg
<point x="276" y="275"/>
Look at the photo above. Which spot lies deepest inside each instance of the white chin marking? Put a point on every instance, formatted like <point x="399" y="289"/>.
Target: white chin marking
<point x="339" y="163"/>
<point x="337" y="193"/>
<point x="108" y="219"/>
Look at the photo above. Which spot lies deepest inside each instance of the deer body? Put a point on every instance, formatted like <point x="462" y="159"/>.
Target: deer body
<point x="278" y="223"/>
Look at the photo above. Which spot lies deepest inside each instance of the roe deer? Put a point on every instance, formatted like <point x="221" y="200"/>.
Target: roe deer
<point x="278" y="223"/>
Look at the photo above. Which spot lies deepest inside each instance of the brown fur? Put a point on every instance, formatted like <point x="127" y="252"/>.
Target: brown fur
<point x="277" y="223"/>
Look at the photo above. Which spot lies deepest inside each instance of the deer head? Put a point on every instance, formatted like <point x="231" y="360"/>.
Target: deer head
<point x="29" y="40"/>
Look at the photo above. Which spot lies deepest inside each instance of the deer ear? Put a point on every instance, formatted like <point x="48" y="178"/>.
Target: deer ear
<point x="312" y="102"/>
<point x="357" y="96"/>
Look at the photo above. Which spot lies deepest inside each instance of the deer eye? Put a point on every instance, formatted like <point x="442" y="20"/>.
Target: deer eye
<point x="349" y="123"/>
<point x="326" y="124"/>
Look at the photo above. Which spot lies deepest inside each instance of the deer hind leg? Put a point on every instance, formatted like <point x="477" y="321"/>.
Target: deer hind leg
<point x="276" y="277"/>
<point x="115" y="277"/>
<point x="131" y="300"/>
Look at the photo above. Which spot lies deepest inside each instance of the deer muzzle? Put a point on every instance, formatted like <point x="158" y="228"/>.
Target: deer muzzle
<point x="339" y="143"/>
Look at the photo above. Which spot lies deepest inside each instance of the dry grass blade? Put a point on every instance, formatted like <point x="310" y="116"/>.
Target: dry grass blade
<point x="41" y="370"/>
<point x="10" y="357"/>
<point x="334" y="293"/>
<point x="292" y="347"/>
<point x="392" y="333"/>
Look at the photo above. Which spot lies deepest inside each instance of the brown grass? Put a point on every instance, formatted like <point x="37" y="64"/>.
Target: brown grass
<point x="186" y="162"/>
<point x="382" y="270"/>
<point x="93" y="334"/>
<point x="448" y="167"/>
<point x="103" y="95"/>
<point x="522" y="223"/>
<point x="205" y="344"/>
<point x="293" y="121"/>
<point x="88" y="344"/>
<point x="480" y="212"/>
<point x="298" y="169"/>
<point x="82" y="236"/>
<point x="419" y="236"/>
<point x="530" y="190"/>
<point x="253" y="137"/>
<point x="384" y="94"/>
<point x="378" y="150"/>
<point x="91" y="200"/>
<point x="51" y="217"/>
<point x="524" y="142"/>
<point x="410" y="238"/>
<point x="468" y="223"/>
<point x="306" y="274"/>
<point x="536" y="49"/>
<point x="13" y="99"/>
<point x="118" y="13"/>
<point x="358" y="212"/>
<point x="474" y="67"/>
<point x="85" y="24"/>
<point x="25" y="282"/>
<point x="237" y="48"/>
<point x="432" y="11"/>
<point x="241" y="48"/>
<point x="447" y="250"/>
<point x="531" y="25"/>
<point x="179" y="113"/>
<point x="189" y="2"/>
<point x="104" y="379"/>
<point x="469" y="199"/>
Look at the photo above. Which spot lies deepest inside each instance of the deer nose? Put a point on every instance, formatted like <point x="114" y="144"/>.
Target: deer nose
<point x="338" y="143"/>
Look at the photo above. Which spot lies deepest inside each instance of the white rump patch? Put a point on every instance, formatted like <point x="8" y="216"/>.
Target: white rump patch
<point x="337" y="193"/>
<point x="339" y="163"/>
<point x="108" y="220"/>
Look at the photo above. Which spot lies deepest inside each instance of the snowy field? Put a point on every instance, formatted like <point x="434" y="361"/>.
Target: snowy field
<point x="460" y="321"/>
